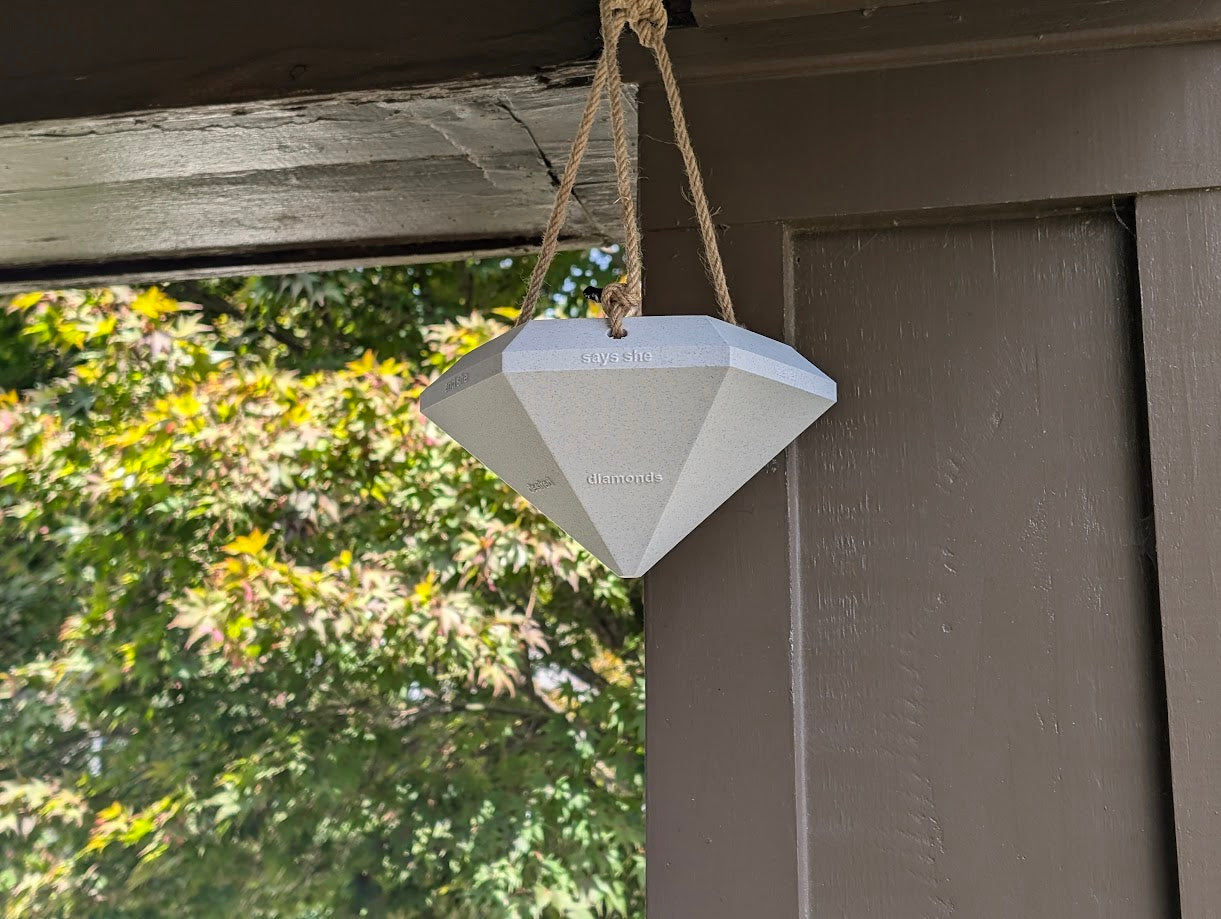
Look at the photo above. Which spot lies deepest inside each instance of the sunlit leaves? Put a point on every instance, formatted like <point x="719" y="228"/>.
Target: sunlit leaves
<point x="273" y="645"/>
<point x="153" y="304"/>
<point x="250" y="544"/>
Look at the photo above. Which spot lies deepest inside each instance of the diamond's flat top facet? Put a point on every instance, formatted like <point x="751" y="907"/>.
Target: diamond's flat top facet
<point x="628" y="444"/>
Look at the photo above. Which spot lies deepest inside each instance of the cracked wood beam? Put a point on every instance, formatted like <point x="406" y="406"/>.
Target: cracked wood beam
<point x="460" y="168"/>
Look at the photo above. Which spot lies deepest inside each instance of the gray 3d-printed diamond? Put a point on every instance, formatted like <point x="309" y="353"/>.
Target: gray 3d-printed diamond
<point x="628" y="444"/>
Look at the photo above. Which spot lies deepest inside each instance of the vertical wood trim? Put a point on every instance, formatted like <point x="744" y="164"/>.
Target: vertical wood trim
<point x="797" y="630"/>
<point x="1179" y="245"/>
<point x="722" y="816"/>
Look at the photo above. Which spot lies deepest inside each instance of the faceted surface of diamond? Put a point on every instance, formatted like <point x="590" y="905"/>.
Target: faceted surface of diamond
<point x="628" y="444"/>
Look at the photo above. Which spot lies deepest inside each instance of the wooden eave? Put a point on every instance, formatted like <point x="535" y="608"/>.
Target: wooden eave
<point x="196" y="139"/>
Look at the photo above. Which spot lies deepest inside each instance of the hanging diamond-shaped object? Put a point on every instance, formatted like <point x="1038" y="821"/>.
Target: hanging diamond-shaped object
<point x="628" y="444"/>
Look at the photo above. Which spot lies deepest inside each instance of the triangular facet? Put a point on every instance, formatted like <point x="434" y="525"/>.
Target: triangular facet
<point x="753" y="419"/>
<point x="622" y="445"/>
<point x="465" y="415"/>
<point x="628" y="444"/>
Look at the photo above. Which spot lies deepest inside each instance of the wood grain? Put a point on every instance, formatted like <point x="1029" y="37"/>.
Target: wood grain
<point x="1180" y="274"/>
<point x="474" y="163"/>
<point x="722" y="812"/>
<point x="983" y="721"/>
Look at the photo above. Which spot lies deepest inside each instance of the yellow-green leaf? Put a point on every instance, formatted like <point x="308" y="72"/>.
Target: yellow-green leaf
<point x="250" y="544"/>
<point x="154" y="304"/>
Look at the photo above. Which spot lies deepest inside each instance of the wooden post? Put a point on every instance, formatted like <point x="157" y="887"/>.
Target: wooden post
<point x="948" y="586"/>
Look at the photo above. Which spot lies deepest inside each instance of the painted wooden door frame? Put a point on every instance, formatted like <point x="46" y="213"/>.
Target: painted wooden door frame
<point x="727" y="832"/>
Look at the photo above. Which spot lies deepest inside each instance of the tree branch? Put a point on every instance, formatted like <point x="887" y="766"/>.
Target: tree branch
<point x="213" y="306"/>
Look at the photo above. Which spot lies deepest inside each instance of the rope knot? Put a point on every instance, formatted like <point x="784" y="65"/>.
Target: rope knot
<point x="617" y="304"/>
<point x="648" y="19"/>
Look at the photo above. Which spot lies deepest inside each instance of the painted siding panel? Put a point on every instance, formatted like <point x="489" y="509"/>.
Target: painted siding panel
<point x="984" y="729"/>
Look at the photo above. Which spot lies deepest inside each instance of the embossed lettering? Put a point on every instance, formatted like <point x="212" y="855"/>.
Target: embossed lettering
<point x="605" y="358"/>
<point x="636" y="478"/>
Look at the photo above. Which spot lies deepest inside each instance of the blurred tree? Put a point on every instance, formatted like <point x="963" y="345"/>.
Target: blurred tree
<point x="272" y="645"/>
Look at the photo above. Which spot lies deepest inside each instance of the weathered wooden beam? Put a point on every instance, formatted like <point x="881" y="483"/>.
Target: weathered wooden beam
<point x="446" y="170"/>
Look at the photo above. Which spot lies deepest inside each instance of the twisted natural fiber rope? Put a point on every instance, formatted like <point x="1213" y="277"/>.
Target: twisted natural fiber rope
<point x="559" y="210"/>
<point x="703" y="214"/>
<point x="621" y="300"/>
<point x="648" y="20"/>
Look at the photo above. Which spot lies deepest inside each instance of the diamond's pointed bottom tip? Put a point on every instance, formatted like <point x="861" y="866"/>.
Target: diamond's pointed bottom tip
<point x="638" y="570"/>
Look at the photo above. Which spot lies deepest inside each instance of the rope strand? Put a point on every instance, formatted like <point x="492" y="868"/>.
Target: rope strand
<point x="621" y="300"/>
<point x="712" y="252"/>
<point x="647" y="19"/>
<point x="580" y="143"/>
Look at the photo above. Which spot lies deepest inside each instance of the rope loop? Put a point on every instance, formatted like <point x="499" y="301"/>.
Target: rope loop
<point x="648" y="19"/>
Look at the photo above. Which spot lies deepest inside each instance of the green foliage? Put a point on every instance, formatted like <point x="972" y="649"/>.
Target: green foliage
<point x="274" y="646"/>
<point x="323" y="320"/>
